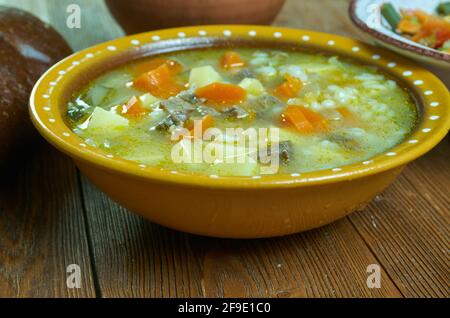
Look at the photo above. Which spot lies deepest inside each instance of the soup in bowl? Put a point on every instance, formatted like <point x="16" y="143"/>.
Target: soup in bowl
<point x="240" y="131"/>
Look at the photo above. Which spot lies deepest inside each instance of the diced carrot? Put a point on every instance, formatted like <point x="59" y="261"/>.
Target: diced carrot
<point x="422" y="16"/>
<point x="293" y="116"/>
<point x="420" y="35"/>
<point x="132" y="109"/>
<point x="434" y="32"/>
<point x="207" y="122"/>
<point x="319" y="123"/>
<point x="344" y="112"/>
<point x="289" y="88"/>
<point x="155" y="77"/>
<point x="230" y="60"/>
<point x="147" y="66"/>
<point x="303" y="119"/>
<point x="159" y="82"/>
<point x="442" y="36"/>
<point x="408" y="26"/>
<point x="220" y="94"/>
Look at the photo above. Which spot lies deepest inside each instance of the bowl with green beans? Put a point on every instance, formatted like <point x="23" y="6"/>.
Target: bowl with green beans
<point x="418" y="29"/>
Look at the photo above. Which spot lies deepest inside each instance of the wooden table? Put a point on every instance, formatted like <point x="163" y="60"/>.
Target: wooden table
<point x="51" y="216"/>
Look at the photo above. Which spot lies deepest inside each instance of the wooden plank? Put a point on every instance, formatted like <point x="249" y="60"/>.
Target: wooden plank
<point x="318" y="263"/>
<point x="407" y="226"/>
<point x="42" y="228"/>
<point x="325" y="16"/>
<point x="136" y="258"/>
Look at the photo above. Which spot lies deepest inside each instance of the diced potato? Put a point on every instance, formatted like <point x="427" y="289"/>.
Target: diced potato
<point x="232" y="160"/>
<point x="204" y="75"/>
<point x="242" y="163"/>
<point x="252" y="86"/>
<point x="105" y="120"/>
<point x="148" y="100"/>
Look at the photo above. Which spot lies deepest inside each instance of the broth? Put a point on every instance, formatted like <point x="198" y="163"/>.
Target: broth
<point x="328" y="112"/>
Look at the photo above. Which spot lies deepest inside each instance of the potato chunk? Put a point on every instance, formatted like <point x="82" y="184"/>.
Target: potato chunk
<point x="106" y="120"/>
<point x="204" y="75"/>
<point x="252" y="86"/>
<point x="148" y="101"/>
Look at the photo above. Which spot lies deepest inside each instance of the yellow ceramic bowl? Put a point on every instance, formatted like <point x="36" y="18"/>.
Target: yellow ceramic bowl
<point x="236" y="207"/>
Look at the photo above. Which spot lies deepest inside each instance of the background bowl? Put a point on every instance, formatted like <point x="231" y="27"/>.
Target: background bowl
<point x="365" y="14"/>
<point x="145" y="15"/>
<point x="238" y="207"/>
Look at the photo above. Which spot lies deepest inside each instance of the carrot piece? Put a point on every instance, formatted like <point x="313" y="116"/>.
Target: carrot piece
<point x="293" y="116"/>
<point x="442" y="36"/>
<point x="158" y="82"/>
<point x="289" y="88"/>
<point x="422" y="16"/>
<point x="207" y="122"/>
<point x="408" y="26"/>
<point x="304" y="120"/>
<point x="133" y="108"/>
<point x="230" y="60"/>
<point x="147" y="66"/>
<point x="344" y="112"/>
<point x="220" y="94"/>
<point x="319" y="123"/>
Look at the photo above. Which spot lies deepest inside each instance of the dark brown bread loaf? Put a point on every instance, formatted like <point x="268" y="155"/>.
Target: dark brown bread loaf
<point x="28" y="47"/>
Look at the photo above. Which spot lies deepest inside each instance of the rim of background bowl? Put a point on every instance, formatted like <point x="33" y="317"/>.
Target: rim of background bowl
<point x="421" y="50"/>
<point x="54" y="87"/>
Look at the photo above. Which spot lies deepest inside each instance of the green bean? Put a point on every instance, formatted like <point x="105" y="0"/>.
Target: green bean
<point x="390" y="14"/>
<point x="444" y="8"/>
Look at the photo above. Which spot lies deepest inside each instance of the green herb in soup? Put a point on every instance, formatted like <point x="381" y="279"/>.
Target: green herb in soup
<point x="327" y="112"/>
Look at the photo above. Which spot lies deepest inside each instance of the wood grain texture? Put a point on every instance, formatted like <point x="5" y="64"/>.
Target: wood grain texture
<point x="135" y="258"/>
<point x="319" y="15"/>
<point x="405" y="230"/>
<point x="407" y="226"/>
<point x="42" y="228"/>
